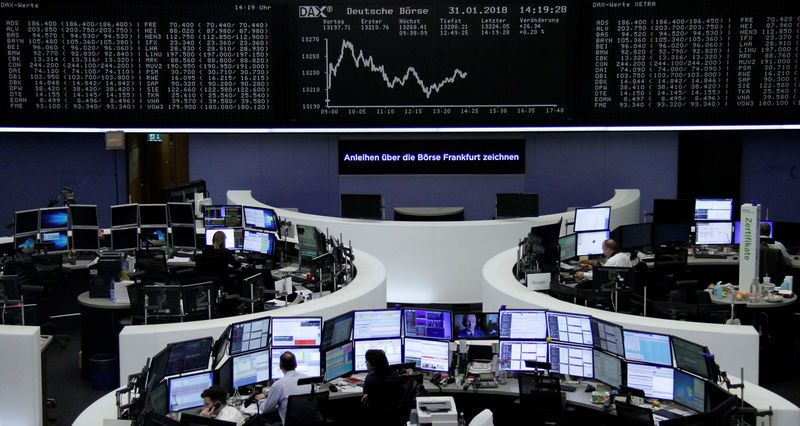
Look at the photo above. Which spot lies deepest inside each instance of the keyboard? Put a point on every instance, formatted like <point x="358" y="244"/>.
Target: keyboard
<point x="709" y="256"/>
<point x="568" y="388"/>
<point x="666" y="413"/>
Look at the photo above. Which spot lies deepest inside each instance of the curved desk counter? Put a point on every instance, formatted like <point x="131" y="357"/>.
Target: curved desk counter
<point x="439" y="262"/>
<point x="367" y="291"/>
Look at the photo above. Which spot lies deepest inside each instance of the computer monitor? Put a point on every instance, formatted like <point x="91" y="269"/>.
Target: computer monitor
<point x="592" y="219"/>
<point x="591" y="243"/>
<point x="259" y="242"/>
<point x="224" y="375"/>
<point x="59" y="238"/>
<point x="608" y="337"/>
<point x="376" y="324"/>
<point x="221" y="345"/>
<point x="428" y="355"/>
<point x="296" y="331"/>
<point x="249" y="336"/>
<point x="713" y="209"/>
<point x="362" y="206"/>
<point x="26" y="221"/>
<point x="251" y="368"/>
<point x="83" y="215"/>
<point x="570" y="328"/>
<point x="158" y="399"/>
<point x="393" y="348"/>
<point x="568" y="245"/>
<point x="158" y="367"/>
<point x="665" y="232"/>
<point x="608" y="369"/>
<point x="523" y="324"/>
<point x="635" y="236"/>
<point x="517" y="205"/>
<point x="337" y="330"/>
<point x="713" y="233"/>
<point x="53" y="218"/>
<point x="307" y="237"/>
<point x="184" y="237"/>
<point x="124" y="215"/>
<point x="189" y="355"/>
<point x="184" y="391"/>
<point x="153" y="236"/>
<point x="85" y="239"/>
<point x="655" y="381"/>
<point x="690" y="391"/>
<point x="691" y="357"/>
<point x="25" y="242"/>
<point x="569" y="359"/>
<point x="428" y="323"/>
<point x="513" y="354"/>
<point x="180" y="213"/>
<point x="260" y="218"/>
<point x="309" y="361"/>
<point x="646" y="347"/>
<point x="222" y="216"/>
<point x="234" y="237"/>
<point x="476" y="325"/>
<point x="546" y="235"/>
<point x="673" y="210"/>
<point x="737" y="230"/>
<point x="339" y="361"/>
<point x="153" y="215"/>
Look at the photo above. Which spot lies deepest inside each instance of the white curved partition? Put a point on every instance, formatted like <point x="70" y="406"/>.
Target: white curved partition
<point x="438" y="262"/>
<point x="366" y="291"/>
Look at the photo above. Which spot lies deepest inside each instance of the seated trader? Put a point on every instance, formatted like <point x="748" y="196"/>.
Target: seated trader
<point x="765" y="231"/>
<point x="217" y="262"/>
<point x="615" y="258"/>
<point x="470" y="329"/>
<point x="278" y="397"/>
<point x="214" y="406"/>
<point x="376" y="395"/>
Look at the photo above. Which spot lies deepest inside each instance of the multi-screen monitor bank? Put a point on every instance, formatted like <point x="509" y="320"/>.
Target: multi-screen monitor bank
<point x="248" y="352"/>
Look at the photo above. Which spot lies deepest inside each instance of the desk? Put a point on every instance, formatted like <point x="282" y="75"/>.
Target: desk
<point x="432" y="214"/>
<point x="100" y="327"/>
<point x="759" y="303"/>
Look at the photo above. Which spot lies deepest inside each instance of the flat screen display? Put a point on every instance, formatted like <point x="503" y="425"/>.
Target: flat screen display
<point x="25" y="242"/>
<point x="377" y="324"/>
<point x="251" y="368"/>
<point x="83" y="215"/>
<point x="309" y="361"/>
<point x="608" y="369"/>
<point x="655" y="381"/>
<point x="710" y="209"/>
<point x="477" y="325"/>
<point x="249" y="336"/>
<point x="295" y="331"/>
<point x="184" y="237"/>
<point x="156" y="236"/>
<point x="339" y="361"/>
<point x="713" y="233"/>
<point x="234" y="237"/>
<point x="60" y="240"/>
<point x="26" y="221"/>
<point x="222" y="216"/>
<point x="153" y="214"/>
<point x="636" y="236"/>
<point x="690" y="391"/>
<point x="158" y="400"/>
<point x="568" y="246"/>
<point x="337" y="330"/>
<point x="85" y="239"/>
<point x="184" y="392"/>
<point x="188" y="356"/>
<point x="54" y="218"/>
<point x="591" y="243"/>
<point x="125" y="215"/>
<point x="691" y="357"/>
<point x="513" y="354"/>
<point x="608" y="337"/>
<point x="737" y="230"/>
<point x="428" y="355"/>
<point x="571" y="328"/>
<point x="393" y="348"/>
<point x="258" y="242"/>
<point x="592" y="219"/>
<point x="647" y="347"/>
<point x="428" y="324"/>
<point x="571" y="359"/>
<point x="180" y="213"/>
<point x="673" y="211"/>
<point x="521" y="324"/>
<point x="260" y="218"/>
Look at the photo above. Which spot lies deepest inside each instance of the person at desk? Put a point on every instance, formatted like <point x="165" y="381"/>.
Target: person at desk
<point x="217" y="254"/>
<point x="615" y="258"/>
<point x="278" y="397"/>
<point x="470" y="323"/>
<point x="375" y="393"/>
<point x="766" y="230"/>
<point x="214" y="406"/>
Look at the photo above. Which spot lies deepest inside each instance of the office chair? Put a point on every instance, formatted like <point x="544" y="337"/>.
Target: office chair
<point x="399" y="398"/>
<point x="306" y="409"/>
<point x="197" y="300"/>
<point x="633" y="415"/>
<point x="674" y="310"/>
<point x="154" y="265"/>
<point x="540" y="398"/>
<point x="162" y="303"/>
<point x="771" y="264"/>
<point x="136" y="297"/>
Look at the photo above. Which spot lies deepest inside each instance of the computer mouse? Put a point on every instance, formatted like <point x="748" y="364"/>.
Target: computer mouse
<point x="332" y="387"/>
<point x="735" y="257"/>
<point x="589" y="388"/>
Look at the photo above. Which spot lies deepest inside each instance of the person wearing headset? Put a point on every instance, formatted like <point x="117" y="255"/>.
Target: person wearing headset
<point x="615" y="258"/>
<point x="470" y="323"/>
<point x="214" y="406"/>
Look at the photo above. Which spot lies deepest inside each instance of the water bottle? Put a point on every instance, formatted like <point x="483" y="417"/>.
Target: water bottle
<point x="461" y="420"/>
<point x="236" y="399"/>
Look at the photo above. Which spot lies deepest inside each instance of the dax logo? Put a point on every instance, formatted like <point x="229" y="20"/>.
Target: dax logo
<point x="315" y="11"/>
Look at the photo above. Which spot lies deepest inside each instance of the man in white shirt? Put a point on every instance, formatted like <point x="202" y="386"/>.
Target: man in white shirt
<point x="615" y="258"/>
<point x="765" y="231"/>
<point x="215" y="406"/>
<point x="278" y="397"/>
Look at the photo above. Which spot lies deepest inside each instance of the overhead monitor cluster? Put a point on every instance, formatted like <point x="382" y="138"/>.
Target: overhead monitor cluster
<point x="59" y="229"/>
